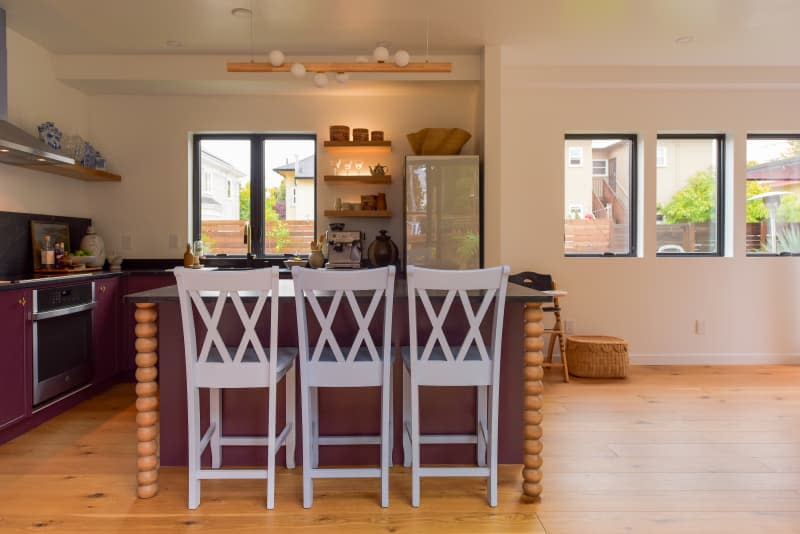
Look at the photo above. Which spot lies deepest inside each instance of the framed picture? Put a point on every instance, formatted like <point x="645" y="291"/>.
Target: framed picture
<point x="58" y="232"/>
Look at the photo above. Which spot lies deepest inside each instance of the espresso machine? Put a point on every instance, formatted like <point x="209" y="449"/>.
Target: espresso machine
<point x="344" y="249"/>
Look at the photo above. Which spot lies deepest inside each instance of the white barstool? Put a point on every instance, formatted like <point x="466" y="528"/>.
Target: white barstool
<point x="468" y="361"/>
<point x="328" y="364"/>
<point x="217" y="366"/>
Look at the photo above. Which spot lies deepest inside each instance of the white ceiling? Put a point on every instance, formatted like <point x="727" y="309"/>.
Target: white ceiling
<point x="551" y="32"/>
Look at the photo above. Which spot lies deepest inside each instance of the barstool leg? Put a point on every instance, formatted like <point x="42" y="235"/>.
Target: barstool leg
<point x="315" y="427"/>
<point x="291" y="419"/>
<point x="272" y="409"/>
<point x="308" y="483"/>
<point x="481" y="423"/>
<point x="563" y="346"/>
<point x="216" y="420"/>
<point x="415" y="459"/>
<point x="405" y="427"/>
<point x="194" y="444"/>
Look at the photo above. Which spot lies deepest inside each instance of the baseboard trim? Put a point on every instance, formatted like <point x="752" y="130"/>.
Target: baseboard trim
<point x="706" y="358"/>
<point x="727" y="358"/>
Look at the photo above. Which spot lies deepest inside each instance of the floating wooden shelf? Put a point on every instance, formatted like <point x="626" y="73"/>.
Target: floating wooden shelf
<point x="358" y="213"/>
<point x="359" y="146"/>
<point x="77" y="172"/>
<point x="359" y="178"/>
<point x="253" y="66"/>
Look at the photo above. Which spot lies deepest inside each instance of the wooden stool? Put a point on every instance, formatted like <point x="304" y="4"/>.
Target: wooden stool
<point x="597" y="356"/>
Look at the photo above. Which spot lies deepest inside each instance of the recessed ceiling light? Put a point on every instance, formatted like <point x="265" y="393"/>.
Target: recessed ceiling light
<point x="684" y="39"/>
<point x="41" y="159"/>
<point x="241" y="12"/>
<point x="3" y="150"/>
<point x="174" y="44"/>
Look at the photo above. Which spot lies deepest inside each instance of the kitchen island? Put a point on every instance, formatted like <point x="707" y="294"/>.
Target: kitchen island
<point x="161" y="393"/>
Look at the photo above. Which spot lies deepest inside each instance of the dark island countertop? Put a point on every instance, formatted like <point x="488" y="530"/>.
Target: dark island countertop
<point x="515" y="293"/>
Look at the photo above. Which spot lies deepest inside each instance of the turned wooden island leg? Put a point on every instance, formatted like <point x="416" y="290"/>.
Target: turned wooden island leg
<point x="146" y="400"/>
<point x="532" y="399"/>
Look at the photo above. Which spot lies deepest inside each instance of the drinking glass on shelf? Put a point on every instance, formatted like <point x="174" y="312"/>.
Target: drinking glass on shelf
<point x="347" y="166"/>
<point x="358" y="165"/>
<point x="335" y="165"/>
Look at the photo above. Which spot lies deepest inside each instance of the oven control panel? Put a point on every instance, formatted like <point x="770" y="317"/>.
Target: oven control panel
<point x="54" y="298"/>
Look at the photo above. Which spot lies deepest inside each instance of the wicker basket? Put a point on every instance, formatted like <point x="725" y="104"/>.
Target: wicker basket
<point x="360" y="134"/>
<point x="597" y="356"/>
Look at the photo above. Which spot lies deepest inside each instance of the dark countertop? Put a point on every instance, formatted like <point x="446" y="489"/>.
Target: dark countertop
<point x="515" y="293"/>
<point x="12" y="282"/>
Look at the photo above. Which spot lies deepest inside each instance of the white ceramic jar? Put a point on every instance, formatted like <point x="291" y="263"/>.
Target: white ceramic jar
<point x="93" y="243"/>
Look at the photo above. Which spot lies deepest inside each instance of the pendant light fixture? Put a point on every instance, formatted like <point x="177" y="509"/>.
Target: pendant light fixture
<point x="383" y="62"/>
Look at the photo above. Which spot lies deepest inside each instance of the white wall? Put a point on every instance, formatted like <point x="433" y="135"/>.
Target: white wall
<point x="36" y="96"/>
<point x="146" y="140"/>
<point x="750" y="305"/>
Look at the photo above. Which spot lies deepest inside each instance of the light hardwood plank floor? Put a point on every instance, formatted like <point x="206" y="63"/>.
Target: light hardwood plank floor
<point x="670" y="449"/>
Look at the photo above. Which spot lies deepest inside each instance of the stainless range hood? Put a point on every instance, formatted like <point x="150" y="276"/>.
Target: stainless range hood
<point x="18" y="147"/>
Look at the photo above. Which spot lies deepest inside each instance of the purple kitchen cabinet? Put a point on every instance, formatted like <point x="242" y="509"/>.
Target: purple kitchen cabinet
<point x="135" y="283"/>
<point x="15" y="335"/>
<point x="106" y="329"/>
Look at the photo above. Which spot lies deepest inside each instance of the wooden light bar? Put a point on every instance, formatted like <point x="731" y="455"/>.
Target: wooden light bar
<point x="343" y="67"/>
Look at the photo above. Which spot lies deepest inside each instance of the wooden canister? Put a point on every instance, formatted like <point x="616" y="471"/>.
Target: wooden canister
<point x="340" y="132"/>
<point x="360" y="134"/>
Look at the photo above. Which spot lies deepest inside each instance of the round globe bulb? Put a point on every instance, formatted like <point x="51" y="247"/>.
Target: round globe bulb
<point x="320" y="79"/>
<point x="401" y="58"/>
<point x="342" y="77"/>
<point x="381" y="54"/>
<point x="298" y="70"/>
<point x="277" y="58"/>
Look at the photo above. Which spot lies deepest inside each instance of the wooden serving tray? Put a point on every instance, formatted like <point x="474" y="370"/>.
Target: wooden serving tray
<point x="67" y="270"/>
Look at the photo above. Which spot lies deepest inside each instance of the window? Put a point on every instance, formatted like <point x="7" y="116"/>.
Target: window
<point x="599" y="167"/>
<point x="575" y="156"/>
<point x="257" y="169"/>
<point x="689" y="195"/>
<point x="600" y="208"/>
<point x="661" y="156"/>
<point x="772" y="203"/>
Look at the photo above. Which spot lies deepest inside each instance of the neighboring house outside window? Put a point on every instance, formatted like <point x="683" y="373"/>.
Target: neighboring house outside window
<point x="600" y="201"/>
<point x="575" y="156"/>
<point x="599" y="167"/>
<point x="772" y="201"/>
<point x="299" y="179"/>
<point x="689" y="194"/>
<point x="219" y="204"/>
<point x="661" y="156"/>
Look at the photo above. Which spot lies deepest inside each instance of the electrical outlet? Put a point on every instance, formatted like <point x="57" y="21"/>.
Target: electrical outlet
<point x="125" y="242"/>
<point x="700" y="327"/>
<point x="569" y="326"/>
<point x="173" y="240"/>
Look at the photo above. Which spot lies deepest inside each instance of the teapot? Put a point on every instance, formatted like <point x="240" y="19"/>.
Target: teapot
<point x="378" y="170"/>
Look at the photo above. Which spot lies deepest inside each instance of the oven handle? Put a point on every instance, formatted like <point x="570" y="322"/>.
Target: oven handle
<point x="38" y="316"/>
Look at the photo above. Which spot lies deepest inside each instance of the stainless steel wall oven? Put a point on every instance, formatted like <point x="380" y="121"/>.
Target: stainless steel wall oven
<point x="62" y="339"/>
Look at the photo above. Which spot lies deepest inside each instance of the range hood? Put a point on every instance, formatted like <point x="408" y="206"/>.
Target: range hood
<point x="18" y="147"/>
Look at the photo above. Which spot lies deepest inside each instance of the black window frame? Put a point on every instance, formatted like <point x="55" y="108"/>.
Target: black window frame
<point x="793" y="135"/>
<point x="633" y="195"/>
<point x="721" y="173"/>
<point x="257" y="192"/>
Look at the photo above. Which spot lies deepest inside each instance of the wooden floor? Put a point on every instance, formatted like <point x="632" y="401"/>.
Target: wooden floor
<point x="671" y="449"/>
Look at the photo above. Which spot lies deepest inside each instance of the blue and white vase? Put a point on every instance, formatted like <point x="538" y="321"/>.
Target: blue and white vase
<point x="50" y="135"/>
